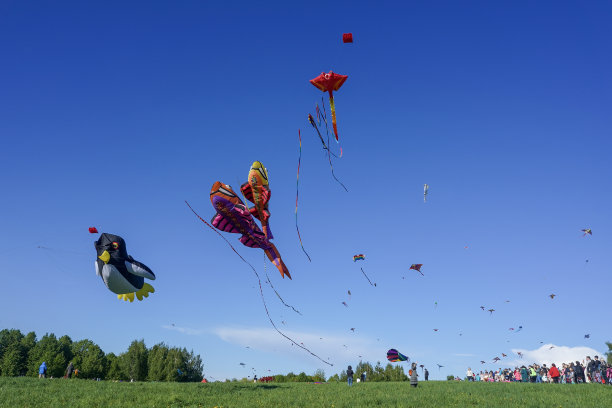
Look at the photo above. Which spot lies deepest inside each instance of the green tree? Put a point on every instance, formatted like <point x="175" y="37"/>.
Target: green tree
<point x="609" y="353"/>
<point x="115" y="367"/>
<point x="367" y="368"/>
<point x="301" y="377"/>
<point x="89" y="359"/>
<point x="379" y="372"/>
<point x="158" y="355"/>
<point x="319" y="376"/>
<point x="136" y="361"/>
<point x="51" y="351"/>
<point x="7" y="338"/>
<point x="14" y="361"/>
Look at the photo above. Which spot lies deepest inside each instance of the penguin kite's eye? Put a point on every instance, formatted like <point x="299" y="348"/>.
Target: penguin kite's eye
<point x="115" y="245"/>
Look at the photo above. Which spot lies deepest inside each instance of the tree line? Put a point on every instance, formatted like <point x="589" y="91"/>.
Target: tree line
<point x="21" y="355"/>
<point x="375" y="373"/>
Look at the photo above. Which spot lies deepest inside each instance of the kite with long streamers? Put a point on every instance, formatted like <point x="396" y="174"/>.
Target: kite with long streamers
<point x="297" y="194"/>
<point x="328" y="83"/>
<point x="417" y="267"/>
<point x="293" y="342"/>
<point x="325" y="147"/>
<point x="234" y="217"/>
<point x="394" y="356"/>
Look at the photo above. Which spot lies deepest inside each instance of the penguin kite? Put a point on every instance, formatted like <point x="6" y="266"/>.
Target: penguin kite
<point x="121" y="273"/>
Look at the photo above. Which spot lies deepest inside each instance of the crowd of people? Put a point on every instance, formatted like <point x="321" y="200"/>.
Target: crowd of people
<point x="590" y="370"/>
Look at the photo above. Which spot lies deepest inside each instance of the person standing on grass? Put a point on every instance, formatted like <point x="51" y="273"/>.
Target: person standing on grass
<point x="426" y="375"/>
<point x="363" y="376"/>
<point x="42" y="370"/>
<point x="349" y="375"/>
<point x="470" y="374"/>
<point x="532" y="374"/>
<point x="554" y="373"/>
<point x="414" y="381"/>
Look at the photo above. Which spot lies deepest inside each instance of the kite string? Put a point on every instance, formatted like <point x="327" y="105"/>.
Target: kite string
<point x="364" y="274"/>
<point x="260" y="288"/>
<point x="329" y="153"/>
<point x="297" y="194"/>
<point x="269" y="282"/>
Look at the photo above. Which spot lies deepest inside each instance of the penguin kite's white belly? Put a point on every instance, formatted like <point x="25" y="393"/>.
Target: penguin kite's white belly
<point x="115" y="281"/>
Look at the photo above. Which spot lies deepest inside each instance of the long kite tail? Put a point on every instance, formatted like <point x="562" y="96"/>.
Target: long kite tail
<point x="324" y="116"/>
<point x="329" y="153"/>
<point x="297" y="194"/>
<point x="269" y="282"/>
<point x="263" y="299"/>
<point x="333" y="112"/>
<point x="364" y="274"/>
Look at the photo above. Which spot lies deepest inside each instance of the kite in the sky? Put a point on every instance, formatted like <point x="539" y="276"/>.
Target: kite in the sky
<point x="242" y="364"/>
<point x="496" y="359"/>
<point x="511" y="329"/>
<point x="349" y="293"/>
<point x="394" y="356"/>
<point x="587" y="336"/>
<point x="425" y="191"/>
<point x="482" y="361"/>
<point x="435" y="330"/>
<point x="551" y="347"/>
<point x="520" y="354"/>
<point x="93" y="230"/>
<point x="552" y="295"/>
<point x="353" y="329"/>
<point x="519" y="329"/>
<point x="328" y="83"/>
<point x="504" y="355"/>
<point x="436" y="304"/>
<point x="257" y="191"/>
<point x="587" y="231"/>
<point x="417" y="267"/>
<point x="121" y="273"/>
<point x="482" y="307"/>
<point x="359" y="257"/>
<point x="347" y="38"/>
<point x="491" y="311"/>
<point x="233" y="216"/>
<point x="344" y="303"/>
<point x="439" y="366"/>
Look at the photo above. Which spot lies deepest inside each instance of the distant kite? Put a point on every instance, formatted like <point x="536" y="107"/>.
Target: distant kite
<point x="551" y="347"/>
<point x="353" y="329"/>
<point x="504" y="355"/>
<point x="520" y="354"/>
<point x="482" y="361"/>
<point x="417" y="267"/>
<point x="552" y="295"/>
<point x="519" y="329"/>
<point x="491" y="311"/>
<point x="439" y="366"/>
<point x="93" y="230"/>
<point x="347" y="38"/>
<point x="344" y="303"/>
<point x="587" y="336"/>
<point x="435" y="330"/>
<point x="359" y="257"/>
<point x="483" y="308"/>
<point x="242" y="364"/>
<point x="394" y="356"/>
<point x="587" y="231"/>
<point x="511" y="329"/>
<point x="425" y="191"/>
<point x="496" y="359"/>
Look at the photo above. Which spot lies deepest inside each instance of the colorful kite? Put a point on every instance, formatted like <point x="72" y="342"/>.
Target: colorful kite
<point x="233" y="216"/>
<point x="587" y="231"/>
<point x="121" y="273"/>
<point x="328" y="83"/>
<point x="257" y="191"/>
<point x="347" y="38"/>
<point x="394" y="356"/>
<point x="359" y="257"/>
<point x="417" y="267"/>
<point x="425" y="191"/>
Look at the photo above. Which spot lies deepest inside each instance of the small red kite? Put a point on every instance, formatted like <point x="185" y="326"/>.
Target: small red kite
<point x="93" y="230"/>
<point x="347" y="38"/>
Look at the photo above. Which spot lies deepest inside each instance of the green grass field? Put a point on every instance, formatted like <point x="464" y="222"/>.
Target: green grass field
<point x="32" y="392"/>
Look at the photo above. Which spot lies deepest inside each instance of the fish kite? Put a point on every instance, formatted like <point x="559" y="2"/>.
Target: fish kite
<point x="417" y="267"/>
<point x="257" y="191"/>
<point x="394" y="356"/>
<point x="587" y="231"/>
<point x="347" y="38"/>
<point x="425" y="191"/>
<point x="359" y="257"/>
<point x="233" y="216"/>
<point x="121" y="273"/>
<point x="328" y="83"/>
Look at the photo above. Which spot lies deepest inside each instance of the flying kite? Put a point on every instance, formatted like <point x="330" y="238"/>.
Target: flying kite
<point x="233" y="216"/>
<point x="394" y="356"/>
<point x="257" y="191"/>
<point x="121" y="273"/>
<point x="359" y="257"/>
<point x="435" y="330"/>
<point x="482" y="307"/>
<point x="551" y="347"/>
<point x="344" y="303"/>
<point x="328" y="83"/>
<point x="425" y="191"/>
<point x="439" y="366"/>
<point x="587" y="231"/>
<point x="417" y="267"/>
<point x="511" y="329"/>
<point x="242" y="364"/>
<point x="504" y="355"/>
<point x="587" y="336"/>
<point x="349" y="293"/>
<point x="496" y="359"/>
<point x="482" y="361"/>
<point x="353" y="329"/>
<point x="347" y="38"/>
<point x="552" y="295"/>
<point x="519" y="329"/>
<point x="93" y="230"/>
<point x="520" y="354"/>
<point x="491" y="311"/>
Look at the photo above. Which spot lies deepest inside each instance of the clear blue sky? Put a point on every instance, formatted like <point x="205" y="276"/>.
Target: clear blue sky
<point x="111" y="115"/>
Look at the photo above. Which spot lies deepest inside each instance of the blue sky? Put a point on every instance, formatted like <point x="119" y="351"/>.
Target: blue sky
<point x="112" y="115"/>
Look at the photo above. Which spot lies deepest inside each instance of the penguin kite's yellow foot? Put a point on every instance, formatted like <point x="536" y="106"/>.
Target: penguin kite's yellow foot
<point x="126" y="297"/>
<point x="144" y="292"/>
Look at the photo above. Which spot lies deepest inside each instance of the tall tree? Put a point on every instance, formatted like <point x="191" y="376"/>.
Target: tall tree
<point x="157" y="362"/>
<point x="88" y="358"/>
<point x="136" y="361"/>
<point x="609" y="353"/>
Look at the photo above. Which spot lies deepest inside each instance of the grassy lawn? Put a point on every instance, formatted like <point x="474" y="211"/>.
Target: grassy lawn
<point x="32" y="392"/>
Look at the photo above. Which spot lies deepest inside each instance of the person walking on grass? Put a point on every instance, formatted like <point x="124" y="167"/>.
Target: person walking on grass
<point x="349" y="375"/>
<point x="414" y="381"/>
<point x="42" y="370"/>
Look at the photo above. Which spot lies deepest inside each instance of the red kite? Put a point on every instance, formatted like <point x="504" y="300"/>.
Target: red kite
<point x="347" y="38"/>
<point x="328" y="83"/>
<point x="93" y="230"/>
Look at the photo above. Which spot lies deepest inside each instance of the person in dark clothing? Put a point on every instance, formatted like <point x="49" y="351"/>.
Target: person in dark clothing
<point x="69" y="370"/>
<point x="579" y="372"/>
<point x="363" y="376"/>
<point x="414" y="381"/>
<point x="349" y="375"/>
<point x="426" y="375"/>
